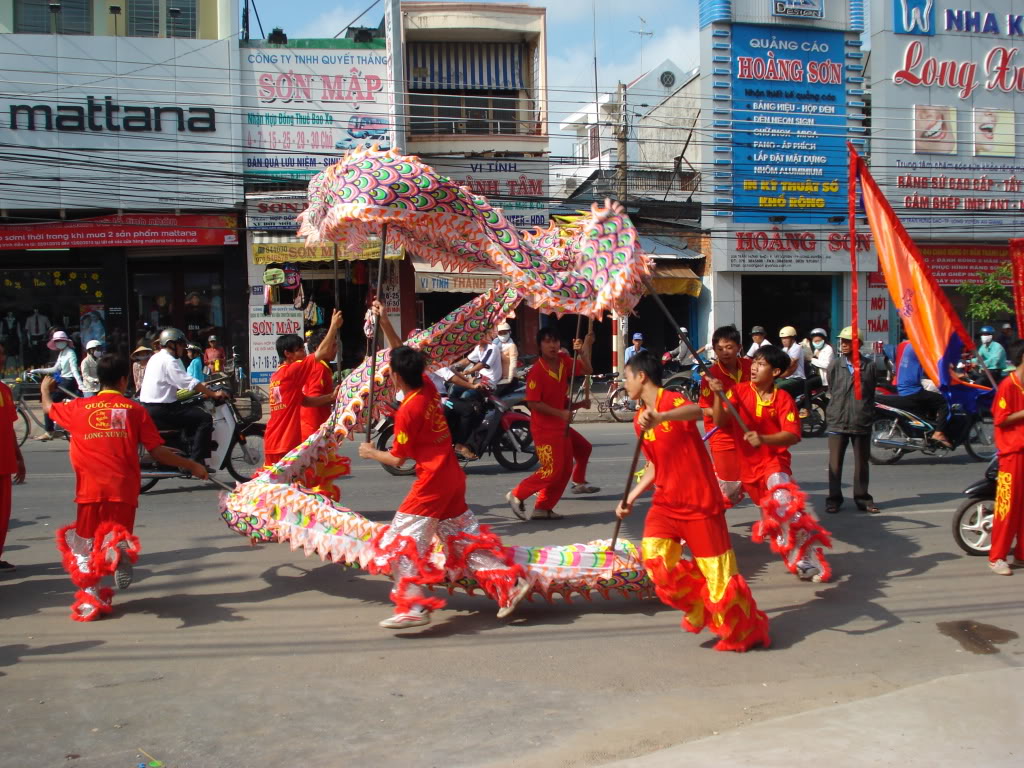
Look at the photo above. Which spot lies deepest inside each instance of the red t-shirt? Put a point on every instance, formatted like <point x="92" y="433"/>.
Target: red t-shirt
<point x="722" y="439"/>
<point x="777" y="414"/>
<point x="105" y="434"/>
<point x="8" y="415"/>
<point x="684" y="478"/>
<point x="421" y="433"/>
<point x="551" y="386"/>
<point x="284" y="429"/>
<point x="1009" y="399"/>
<point x="319" y="383"/>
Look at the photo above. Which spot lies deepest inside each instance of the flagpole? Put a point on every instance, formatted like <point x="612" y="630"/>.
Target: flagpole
<point x="851" y="195"/>
<point x="376" y="327"/>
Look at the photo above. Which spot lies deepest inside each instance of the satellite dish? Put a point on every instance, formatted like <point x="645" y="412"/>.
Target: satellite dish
<point x="668" y="79"/>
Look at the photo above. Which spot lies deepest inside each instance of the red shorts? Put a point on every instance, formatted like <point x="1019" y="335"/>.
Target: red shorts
<point x="705" y="536"/>
<point x="91" y="515"/>
<point x="727" y="462"/>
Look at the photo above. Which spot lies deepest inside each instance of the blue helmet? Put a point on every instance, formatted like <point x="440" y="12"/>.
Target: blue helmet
<point x="988" y="329"/>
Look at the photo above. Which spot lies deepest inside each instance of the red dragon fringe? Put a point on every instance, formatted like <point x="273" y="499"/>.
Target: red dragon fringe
<point x="680" y="588"/>
<point x="78" y="577"/>
<point x="742" y="625"/>
<point x="496" y="583"/>
<point x="771" y="525"/>
<point x="100" y="607"/>
<point x="106" y="554"/>
<point x="427" y="574"/>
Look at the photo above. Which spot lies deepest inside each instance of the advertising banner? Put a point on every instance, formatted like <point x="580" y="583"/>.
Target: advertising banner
<point x="789" y="124"/>
<point x="947" y="132"/>
<point x="263" y="333"/>
<point x="98" y="122"/>
<point x="959" y="263"/>
<point x="519" y="187"/>
<point x="144" y="229"/>
<point x="306" y="104"/>
<point x="274" y="213"/>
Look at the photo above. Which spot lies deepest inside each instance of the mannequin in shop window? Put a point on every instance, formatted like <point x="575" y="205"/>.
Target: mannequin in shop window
<point x="10" y="336"/>
<point x="160" y="314"/>
<point x="37" y="330"/>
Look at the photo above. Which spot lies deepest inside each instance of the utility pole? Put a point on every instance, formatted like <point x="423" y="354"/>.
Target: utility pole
<point x="621" y="141"/>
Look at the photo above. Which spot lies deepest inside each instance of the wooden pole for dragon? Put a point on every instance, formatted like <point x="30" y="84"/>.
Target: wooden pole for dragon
<point x="376" y="327"/>
<point x="572" y="374"/>
<point x="629" y="487"/>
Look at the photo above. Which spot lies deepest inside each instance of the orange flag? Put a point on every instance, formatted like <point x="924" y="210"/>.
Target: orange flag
<point x="1017" y="259"/>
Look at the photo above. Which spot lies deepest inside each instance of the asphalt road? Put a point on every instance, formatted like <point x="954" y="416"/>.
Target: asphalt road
<point x="225" y="655"/>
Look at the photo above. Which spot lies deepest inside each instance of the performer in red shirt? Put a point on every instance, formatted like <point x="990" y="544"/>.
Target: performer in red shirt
<point x="547" y="395"/>
<point x="284" y="429"/>
<point x="105" y="434"/>
<point x="687" y="507"/>
<point x="731" y="370"/>
<point x="319" y="384"/>
<point x="766" y="472"/>
<point x="434" y="507"/>
<point x="11" y="461"/>
<point x="1008" y="416"/>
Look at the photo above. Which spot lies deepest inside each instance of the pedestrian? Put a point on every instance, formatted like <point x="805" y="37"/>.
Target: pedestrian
<point x="434" y="508"/>
<point x="759" y="339"/>
<point x="637" y="346"/>
<point x="558" y="448"/>
<point x="687" y="507"/>
<point x="284" y="429"/>
<point x="67" y="372"/>
<point x="849" y="423"/>
<point x="140" y="357"/>
<point x="195" y="367"/>
<point x="794" y="378"/>
<point x="12" y="464"/>
<point x="822" y="354"/>
<point x="319" y="384"/>
<point x="769" y="415"/>
<point x="991" y="354"/>
<point x="1008" y="517"/>
<point x="731" y="370"/>
<point x="93" y="352"/>
<point x="213" y="356"/>
<point x="105" y="434"/>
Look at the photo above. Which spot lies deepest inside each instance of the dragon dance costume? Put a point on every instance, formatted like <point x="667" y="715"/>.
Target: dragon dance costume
<point x="688" y="507"/>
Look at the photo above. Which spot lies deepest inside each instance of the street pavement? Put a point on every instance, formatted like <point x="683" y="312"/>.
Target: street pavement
<point x="222" y="654"/>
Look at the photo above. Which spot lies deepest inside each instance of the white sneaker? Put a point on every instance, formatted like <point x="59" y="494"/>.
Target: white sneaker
<point x="584" y="488"/>
<point x="518" y="507"/>
<point x="1000" y="568"/>
<point x="406" y="620"/>
<point x="522" y="589"/>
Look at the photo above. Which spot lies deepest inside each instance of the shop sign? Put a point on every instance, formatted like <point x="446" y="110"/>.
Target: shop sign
<point x="799" y="9"/>
<point x="266" y="214"/>
<point x="442" y="282"/>
<point x="263" y="333"/>
<point x="303" y="108"/>
<point x="789" y="124"/>
<point x="811" y="250"/>
<point x="128" y="230"/>
<point x="958" y="85"/>
<point x="93" y="124"/>
<point x="955" y="264"/>
<point x="876" y="318"/>
<point x="519" y="187"/>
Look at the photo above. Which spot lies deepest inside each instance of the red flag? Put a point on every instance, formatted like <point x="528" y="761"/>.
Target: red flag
<point x="1017" y="259"/>
<point x="932" y="325"/>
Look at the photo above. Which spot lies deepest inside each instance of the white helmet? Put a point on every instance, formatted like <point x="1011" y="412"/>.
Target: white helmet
<point x="93" y="344"/>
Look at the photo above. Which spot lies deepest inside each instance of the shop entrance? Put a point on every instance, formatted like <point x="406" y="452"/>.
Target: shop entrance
<point x="774" y="301"/>
<point x="166" y="294"/>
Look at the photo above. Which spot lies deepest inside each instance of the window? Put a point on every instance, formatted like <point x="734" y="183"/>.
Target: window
<point x="595" y="141"/>
<point x="185" y="23"/>
<point x="35" y="17"/>
<point x="143" y="18"/>
<point x="473" y="112"/>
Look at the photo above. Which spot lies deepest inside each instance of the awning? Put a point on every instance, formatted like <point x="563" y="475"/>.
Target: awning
<point x="455" y="66"/>
<point x="675" y="280"/>
<point x="667" y="248"/>
<point x="283" y="249"/>
<point x="430" y="279"/>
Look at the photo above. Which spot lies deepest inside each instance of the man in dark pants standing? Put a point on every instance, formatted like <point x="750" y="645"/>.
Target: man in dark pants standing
<point x="849" y="422"/>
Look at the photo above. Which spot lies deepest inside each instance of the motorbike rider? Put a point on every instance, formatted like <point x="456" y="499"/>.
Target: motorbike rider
<point x="164" y="378"/>
<point x="794" y="378"/>
<point x="911" y="387"/>
<point x="991" y="353"/>
<point x="821" y="355"/>
<point x="681" y="354"/>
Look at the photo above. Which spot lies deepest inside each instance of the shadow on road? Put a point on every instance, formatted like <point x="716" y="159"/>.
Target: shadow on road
<point x="12" y="654"/>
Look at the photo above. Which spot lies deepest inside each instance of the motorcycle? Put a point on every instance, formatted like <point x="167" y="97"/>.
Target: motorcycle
<point x="898" y="431"/>
<point x="504" y="432"/>
<point x="972" y="521"/>
<point x="812" y="413"/>
<point x="681" y="378"/>
<point x="237" y="441"/>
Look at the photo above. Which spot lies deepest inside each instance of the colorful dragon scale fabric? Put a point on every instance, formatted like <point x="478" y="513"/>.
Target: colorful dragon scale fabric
<point x="295" y="500"/>
<point x="433" y="217"/>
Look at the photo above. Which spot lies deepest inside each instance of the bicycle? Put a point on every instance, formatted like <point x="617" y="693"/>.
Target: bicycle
<point x="616" y="402"/>
<point x="27" y="416"/>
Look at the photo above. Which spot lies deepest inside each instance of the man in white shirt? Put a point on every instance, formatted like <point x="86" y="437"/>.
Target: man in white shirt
<point x="509" y="355"/>
<point x="760" y="338"/>
<point x="793" y="379"/>
<point x="165" y="376"/>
